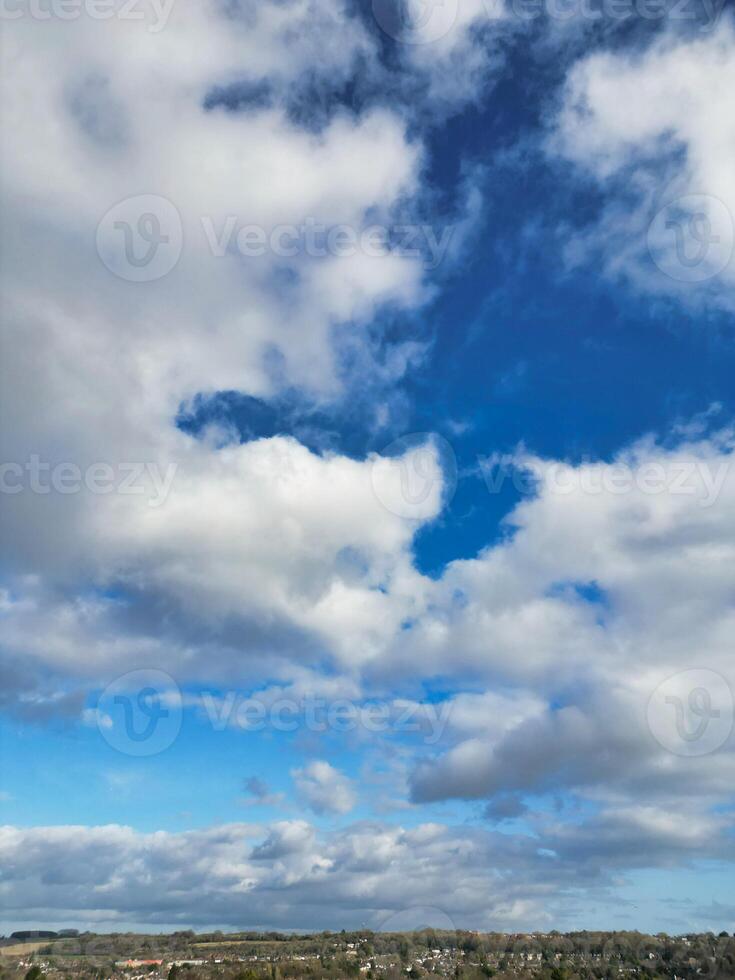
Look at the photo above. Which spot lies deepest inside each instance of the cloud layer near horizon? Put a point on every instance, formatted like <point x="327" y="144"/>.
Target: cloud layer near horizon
<point x="361" y="875"/>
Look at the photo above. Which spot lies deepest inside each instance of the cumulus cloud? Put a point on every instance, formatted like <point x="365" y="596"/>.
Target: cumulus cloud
<point x="291" y="875"/>
<point x="505" y="808"/>
<point x="598" y="597"/>
<point x="601" y="745"/>
<point x="329" y="556"/>
<point x="324" y="789"/>
<point x="283" y="547"/>
<point x="455" y="50"/>
<point x="654" y="130"/>
<point x="260" y="794"/>
<point x="93" y="568"/>
<point x="643" y="836"/>
<point x="615" y="575"/>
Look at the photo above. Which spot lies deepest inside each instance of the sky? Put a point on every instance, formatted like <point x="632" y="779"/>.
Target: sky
<point x="368" y="501"/>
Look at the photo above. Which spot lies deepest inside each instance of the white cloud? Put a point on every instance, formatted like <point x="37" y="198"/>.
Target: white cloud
<point x="260" y="793"/>
<point x="456" y="51"/>
<point x="617" y="575"/>
<point x="324" y="789"/>
<point x="121" y="111"/>
<point x="655" y="130"/>
<point x="290" y="875"/>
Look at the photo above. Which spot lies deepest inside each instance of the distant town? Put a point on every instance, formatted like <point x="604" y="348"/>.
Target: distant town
<point x="464" y="955"/>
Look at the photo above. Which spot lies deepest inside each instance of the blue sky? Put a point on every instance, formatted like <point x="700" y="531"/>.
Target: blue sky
<point x="454" y="517"/>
